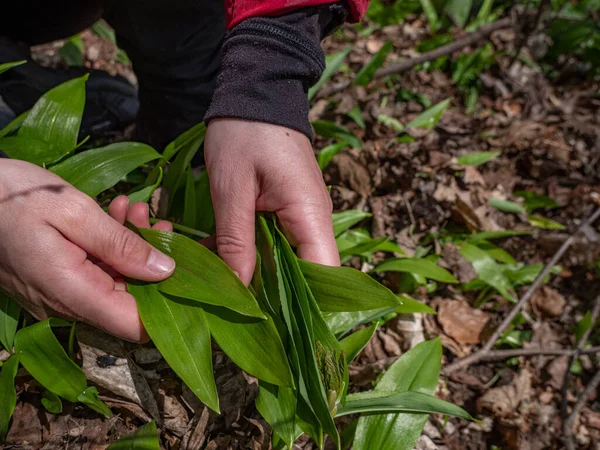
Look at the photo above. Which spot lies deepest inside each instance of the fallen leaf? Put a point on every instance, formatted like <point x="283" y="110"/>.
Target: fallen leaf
<point x="504" y="401"/>
<point x="464" y="324"/>
<point x="548" y="302"/>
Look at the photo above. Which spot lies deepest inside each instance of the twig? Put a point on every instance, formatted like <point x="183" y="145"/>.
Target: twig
<point x="494" y="355"/>
<point x="470" y="39"/>
<point x="568" y="424"/>
<point x="477" y="356"/>
<point x="565" y="387"/>
<point x="525" y="37"/>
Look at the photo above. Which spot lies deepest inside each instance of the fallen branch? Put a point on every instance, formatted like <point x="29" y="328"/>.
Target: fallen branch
<point x="495" y="355"/>
<point x="479" y="355"/>
<point x="568" y="424"/>
<point x="470" y="39"/>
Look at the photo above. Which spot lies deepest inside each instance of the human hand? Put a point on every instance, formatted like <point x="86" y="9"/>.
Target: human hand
<point x="52" y="238"/>
<point x="255" y="166"/>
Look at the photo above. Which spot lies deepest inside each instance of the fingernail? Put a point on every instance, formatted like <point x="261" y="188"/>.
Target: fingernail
<point x="160" y="263"/>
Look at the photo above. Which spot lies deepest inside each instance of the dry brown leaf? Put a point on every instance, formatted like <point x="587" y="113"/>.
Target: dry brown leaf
<point x="464" y="324"/>
<point x="504" y="401"/>
<point x="548" y="302"/>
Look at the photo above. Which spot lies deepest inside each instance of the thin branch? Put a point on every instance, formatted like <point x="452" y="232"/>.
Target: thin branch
<point x="479" y="355"/>
<point x="470" y="39"/>
<point x="495" y="355"/>
<point x="568" y="424"/>
<point x="525" y="36"/>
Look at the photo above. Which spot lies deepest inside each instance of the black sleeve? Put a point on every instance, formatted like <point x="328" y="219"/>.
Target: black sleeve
<point x="269" y="63"/>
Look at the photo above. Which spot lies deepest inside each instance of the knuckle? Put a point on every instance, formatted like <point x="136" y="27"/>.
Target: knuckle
<point x="229" y="244"/>
<point x="126" y="246"/>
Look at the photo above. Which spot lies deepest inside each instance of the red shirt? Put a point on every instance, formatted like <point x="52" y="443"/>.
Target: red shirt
<point x="238" y="10"/>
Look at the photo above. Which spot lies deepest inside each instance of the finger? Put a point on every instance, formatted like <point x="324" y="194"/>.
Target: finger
<point x="87" y="226"/>
<point x="209" y="242"/>
<point x="163" y="225"/>
<point x="118" y="208"/>
<point x="139" y="215"/>
<point x="234" y="214"/>
<point x="309" y="227"/>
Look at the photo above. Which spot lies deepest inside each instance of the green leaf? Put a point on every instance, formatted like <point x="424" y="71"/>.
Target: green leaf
<point x="344" y="220"/>
<point x="94" y="171"/>
<point x="144" y="194"/>
<point x="488" y="270"/>
<point x="14" y="124"/>
<point x="507" y="206"/>
<point x="278" y="406"/>
<point x="356" y="115"/>
<point x="364" y="248"/>
<point x="105" y="32"/>
<point x="497" y="253"/>
<point x="459" y="11"/>
<point x="55" y="118"/>
<point x="431" y="14"/>
<point x="352" y="345"/>
<point x="254" y="345"/>
<point x="333" y="64"/>
<point x="544" y="223"/>
<point x="9" y="65"/>
<point x="91" y="399"/>
<point x="326" y="155"/>
<point x="189" y="211"/>
<point x="583" y="325"/>
<point x="402" y="402"/>
<point x="71" y="51"/>
<point x="430" y="117"/>
<point x="200" y="275"/>
<point x="343" y="289"/>
<point x="27" y="149"/>
<point x="332" y="130"/>
<point x="365" y="75"/>
<point x="9" y="320"/>
<point x="8" y="393"/>
<point x="180" y="331"/>
<point x="477" y="159"/>
<point x="419" y="266"/>
<point x="535" y="201"/>
<point x="145" y="438"/>
<point x="190" y="140"/>
<point x="417" y="370"/>
<point x="411" y="306"/>
<point x="51" y="402"/>
<point x="490" y="235"/>
<point x="390" y="122"/>
<point x="205" y="215"/>
<point x="342" y="323"/>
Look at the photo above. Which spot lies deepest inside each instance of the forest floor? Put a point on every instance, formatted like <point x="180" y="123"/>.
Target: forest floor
<point x="548" y="138"/>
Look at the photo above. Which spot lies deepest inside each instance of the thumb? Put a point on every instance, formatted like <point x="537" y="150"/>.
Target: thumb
<point x="234" y="203"/>
<point x="103" y="237"/>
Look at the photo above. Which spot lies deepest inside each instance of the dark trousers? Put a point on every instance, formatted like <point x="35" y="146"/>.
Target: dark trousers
<point x="174" y="45"/>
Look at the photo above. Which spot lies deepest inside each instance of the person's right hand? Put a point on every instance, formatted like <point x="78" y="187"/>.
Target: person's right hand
<point x="49" y="231"/>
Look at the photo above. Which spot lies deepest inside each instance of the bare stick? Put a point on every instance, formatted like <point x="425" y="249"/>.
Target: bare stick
<point x="470" y="39"/>
<point x="494" y="355"/>
<point x="477" y="356"/>
<point x="568" y="424"/>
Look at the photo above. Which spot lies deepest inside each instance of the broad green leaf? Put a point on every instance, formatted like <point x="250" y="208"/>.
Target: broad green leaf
<point x="507" y="206"/>
<point x="326" y="155"/>
<point x="205" y="215"/>
<point x="352" y="345"/>
<point x="278" y="406"/>
<point x="583" y="325"/>
<point x="8" y="393"/>
<point x="105" y="32"/>
<point x="189" y="139"/>
<point x="342" y="323"/>
<point x="365" y="75"/>
<point x="459" y="11"/>
<point x="356" y="115"/>
<point x="51" y="402"/>
<point x="477" y="159"/>
<point x="535" y="201"/>
<point x="343" y="289"/>
<point x="180" y="331"/>
<point x="390" y="122"/>
<point x="497" y="253"/>
<point x="488" y="270"/>
<point x="71" y="51"/>
<point x="417" y="370"/>
<point x="333" y="64"/>
<point x="254" y="345"/>
<point x="403" y="402"/>
<point x="189" y="211"/>
<point x="94" y="171"/>
<point x="9" y="65"/>
<point x="544" y="223"/>
<point x="14" y="124"/>
<point x="332" y="130"/>
<point x="521" y="275"/>
<point x="430" y="117"/>
<point x="145" y="438"/>
<point x="344" y="220"/>
<point x="419" y="266"/>
<point x="175" y="176"/>
<point x="144" y="194"/>
<point x="490" y="235"/>
<point x="411" y="306"/>
<point x="55" y="118"/>
<point x="367" y="247"/>
<point x="28" y="149"/>
<point x="200" y="275"/>
<point x="9" y="320"/>
<point x="431" y="14"/>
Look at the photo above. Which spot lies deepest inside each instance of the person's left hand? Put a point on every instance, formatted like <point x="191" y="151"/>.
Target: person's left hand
<point x="255" y="166"/>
